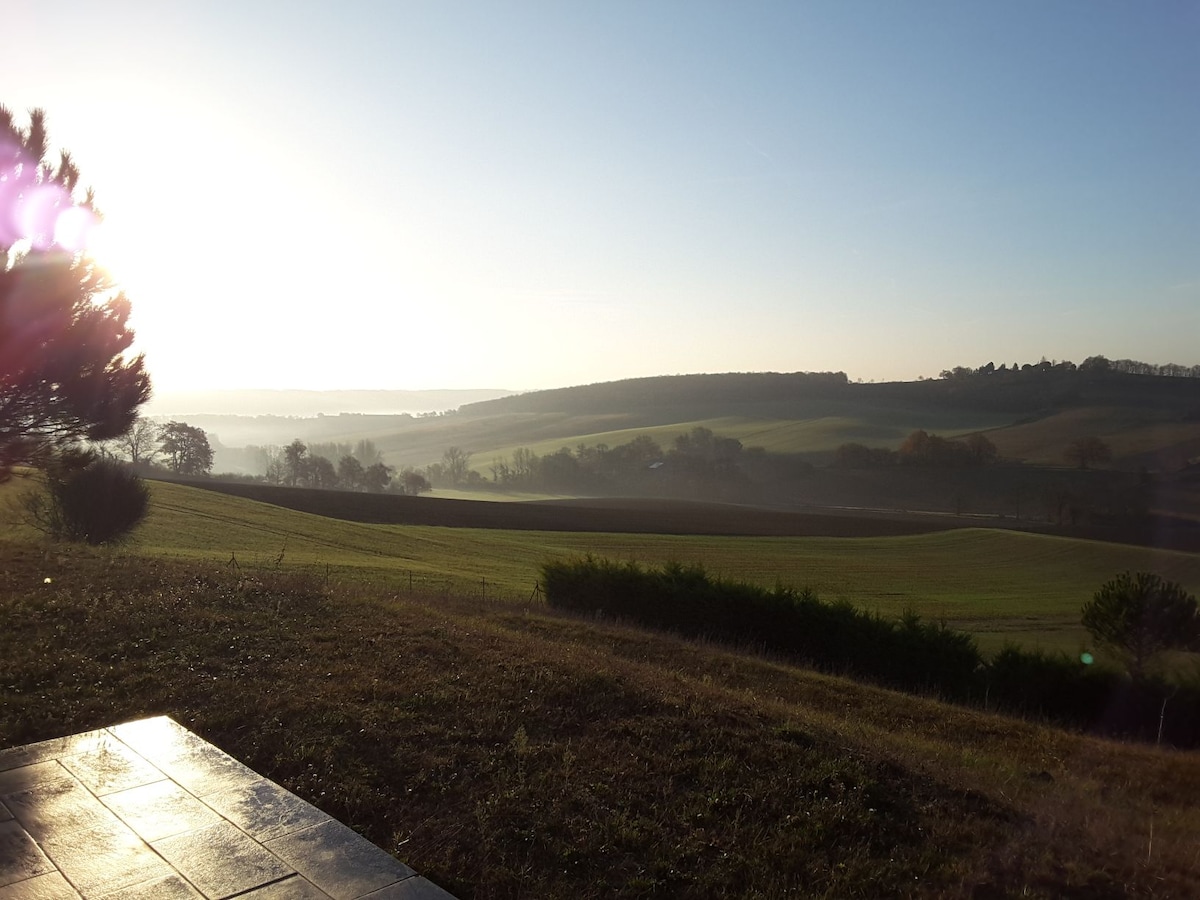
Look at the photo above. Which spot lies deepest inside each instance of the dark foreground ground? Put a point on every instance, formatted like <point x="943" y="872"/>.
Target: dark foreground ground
<point x="510" y="752"/>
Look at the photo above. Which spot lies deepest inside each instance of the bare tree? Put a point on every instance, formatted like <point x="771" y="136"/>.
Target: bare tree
<point x="294" y="462"/>
<point x="1088" y="450"/>
<point x="140" y="442"/>
<point x="456" y="462"/>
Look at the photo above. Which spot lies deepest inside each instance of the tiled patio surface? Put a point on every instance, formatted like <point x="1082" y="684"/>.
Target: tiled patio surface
<point x="148" y="810"/>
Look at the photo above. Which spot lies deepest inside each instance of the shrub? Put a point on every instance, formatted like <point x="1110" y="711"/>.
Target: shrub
<point x="97" y="501"/>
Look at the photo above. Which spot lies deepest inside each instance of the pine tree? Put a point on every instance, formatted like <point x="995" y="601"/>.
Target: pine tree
<point x="63" y="325"/>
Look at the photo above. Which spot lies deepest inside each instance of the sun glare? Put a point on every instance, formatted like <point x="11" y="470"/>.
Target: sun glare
<point x="73" y="228"/>
<point x="103" y="245"/>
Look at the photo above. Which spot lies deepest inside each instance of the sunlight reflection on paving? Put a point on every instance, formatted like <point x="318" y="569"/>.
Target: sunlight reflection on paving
<point x="150" y="811"/>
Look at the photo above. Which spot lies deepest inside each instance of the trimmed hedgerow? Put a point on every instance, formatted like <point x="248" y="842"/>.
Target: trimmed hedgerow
<point x="906" y="653"/>
<point x="1061" y="689"/>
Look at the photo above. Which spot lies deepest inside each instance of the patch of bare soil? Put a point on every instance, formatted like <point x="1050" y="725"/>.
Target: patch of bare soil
<point x="619" y="515"/>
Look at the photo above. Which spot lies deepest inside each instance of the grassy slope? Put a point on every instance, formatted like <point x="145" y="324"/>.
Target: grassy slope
<point x="999" y="585"/>
<point x="1137" y="436"/>
<point x="800" y="424"/>
<point x="1139" y="414"/>
<point x="820" y="434"/>
<point x="509" y="753"/>
<point x="1143" y="418"/>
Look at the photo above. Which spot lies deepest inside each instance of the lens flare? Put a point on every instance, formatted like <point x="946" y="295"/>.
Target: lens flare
<point x="38" y="212"/>
<point x="1086" y="658"/>
<point x="73" y="228"/>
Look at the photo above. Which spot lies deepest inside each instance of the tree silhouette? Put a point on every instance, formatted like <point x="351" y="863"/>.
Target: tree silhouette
<point x="63" y="327"/>
<point x="186" y="448"/>
<point x="140" y="442"/>
<point x="413" y="482"/>
<point x="321" y="473"/>
<point x="350" y="473"/>
<point x="377" y="476"/>
<point x="1138" y="616"/>
<point x="457" y="462"/>
<point x="1085" y="451"/>
<point x="294" y="462"/>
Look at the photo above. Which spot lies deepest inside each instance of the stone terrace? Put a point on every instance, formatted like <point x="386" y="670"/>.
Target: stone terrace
<point x="148" y="810"/>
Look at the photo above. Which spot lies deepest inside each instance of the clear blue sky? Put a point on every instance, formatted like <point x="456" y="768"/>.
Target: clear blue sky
<point x="538" y="194"/>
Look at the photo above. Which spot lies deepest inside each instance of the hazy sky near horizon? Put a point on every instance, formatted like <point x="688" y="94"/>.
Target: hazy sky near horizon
<point x="539" y="194"/>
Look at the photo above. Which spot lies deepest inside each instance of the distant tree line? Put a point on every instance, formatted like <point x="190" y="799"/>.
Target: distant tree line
<point x="185" y="450"/>
<point x="177" y="447"/>
<point x="1095" y="365"/>
<point x="919" y="449"/>
<point x="358" y="468"/>
<point x="695" y="460"/>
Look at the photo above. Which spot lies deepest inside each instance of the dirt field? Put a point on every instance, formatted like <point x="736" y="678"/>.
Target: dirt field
<point x="607" y="515"/>
<point x="653" y="516"/>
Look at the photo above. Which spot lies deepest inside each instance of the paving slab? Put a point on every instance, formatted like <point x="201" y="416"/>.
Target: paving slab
<point x="51" y="886"/>
<point x="222" y="860"/>
<point x="415" y="888"/>
<point x="264" y="810"/>
<point x="172" y="887"/>
<point x="339" y="861"/>
<point x="110" y="766"/>
<point x="159" y="810"/>
<point x="20" y="856"/>
<point x="147" y="810"/>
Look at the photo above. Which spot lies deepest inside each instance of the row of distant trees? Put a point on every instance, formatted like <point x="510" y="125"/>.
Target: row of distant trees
<point x="358" y="468"/>
<point x="1095" y="365"/>
<point x="694" y="459"/>
<point x="923" y="449"/>
<point x="176" y="446"/>
<point x="919" y="449"/>
<point x="185" y="450"/>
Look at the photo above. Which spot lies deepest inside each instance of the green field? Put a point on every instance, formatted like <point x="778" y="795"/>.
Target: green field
<point x="1000" y="585"/>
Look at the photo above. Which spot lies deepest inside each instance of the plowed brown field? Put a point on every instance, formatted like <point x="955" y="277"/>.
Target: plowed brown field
<point x="661" y="516"/>
<point x="621" y="515"/>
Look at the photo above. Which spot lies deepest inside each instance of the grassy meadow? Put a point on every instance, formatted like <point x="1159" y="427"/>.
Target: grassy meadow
<point x="1000" y="585"/>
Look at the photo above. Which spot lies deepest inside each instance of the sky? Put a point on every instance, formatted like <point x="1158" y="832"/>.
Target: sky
<point x="523" y="195"/>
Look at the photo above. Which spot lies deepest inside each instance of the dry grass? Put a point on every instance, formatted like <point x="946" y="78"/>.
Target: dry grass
<point x="510" y="752"/>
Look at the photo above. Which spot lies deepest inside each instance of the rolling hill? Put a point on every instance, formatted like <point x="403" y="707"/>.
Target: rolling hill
<point x="1151" y="421"/>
